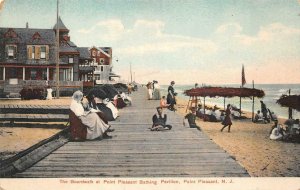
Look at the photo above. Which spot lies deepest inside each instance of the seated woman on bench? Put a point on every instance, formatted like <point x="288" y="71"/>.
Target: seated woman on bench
<point x="96" y="127"/>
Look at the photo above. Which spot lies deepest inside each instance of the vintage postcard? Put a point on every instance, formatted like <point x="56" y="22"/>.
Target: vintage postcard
<point x="152" y="94"/>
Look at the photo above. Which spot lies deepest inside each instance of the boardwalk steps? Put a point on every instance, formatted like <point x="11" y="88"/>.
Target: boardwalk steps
<point x="135" y="151"/>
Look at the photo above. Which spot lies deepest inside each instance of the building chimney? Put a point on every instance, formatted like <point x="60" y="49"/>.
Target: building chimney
<point x="27" y="25"/>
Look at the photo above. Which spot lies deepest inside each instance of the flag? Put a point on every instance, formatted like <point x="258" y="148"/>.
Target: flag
<point x="243" y="76"/>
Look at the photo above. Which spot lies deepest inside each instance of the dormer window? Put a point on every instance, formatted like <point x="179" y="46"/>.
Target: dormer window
<point x="10" y="34"/>
<point x="11" y="51"/>
<point x="36" y="36"/>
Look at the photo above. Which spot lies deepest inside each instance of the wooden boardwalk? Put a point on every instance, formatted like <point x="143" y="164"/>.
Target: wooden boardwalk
<point x="135" y="151"/>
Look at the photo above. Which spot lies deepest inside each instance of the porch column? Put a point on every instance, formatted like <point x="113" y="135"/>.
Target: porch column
<point x="47" y="73"/>
<point x="23" y="73"/>
<point x="3" y="73"/>
<point x="72" y="74"/>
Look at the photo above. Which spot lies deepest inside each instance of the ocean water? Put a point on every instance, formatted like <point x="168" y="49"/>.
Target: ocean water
<point x="272" y="94"/>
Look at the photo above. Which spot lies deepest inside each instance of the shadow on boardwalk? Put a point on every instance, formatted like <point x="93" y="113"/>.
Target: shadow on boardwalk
<point x="135" y="151"/>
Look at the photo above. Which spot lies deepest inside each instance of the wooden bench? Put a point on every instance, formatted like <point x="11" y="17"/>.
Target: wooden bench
<point x="34" y="113"/>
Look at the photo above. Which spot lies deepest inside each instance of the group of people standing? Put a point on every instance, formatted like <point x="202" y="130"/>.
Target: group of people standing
<point x="153" y="90"/>
<point x="155" y="94"/>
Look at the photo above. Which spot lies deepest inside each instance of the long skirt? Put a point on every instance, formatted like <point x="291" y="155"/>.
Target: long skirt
<point x="95" y="126"/>
<point x="227" y="121"/>
<point x="150" y="91"/>
<point x="171" y="100"/>
<point x="156" y="94"/>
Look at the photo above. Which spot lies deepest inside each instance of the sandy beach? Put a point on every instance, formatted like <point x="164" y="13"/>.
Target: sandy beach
<point x="16" y="139"/>
<point x="248" y="143"/>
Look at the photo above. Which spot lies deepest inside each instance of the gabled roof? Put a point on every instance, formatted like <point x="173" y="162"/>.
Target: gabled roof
<point x="84" y="52"/>
<point x="61" y="25"/>
<point x="26" y="36"/>
<point x="64" y="47"/>
<point x="72" y="44"/>
<point x="102" y="51"/>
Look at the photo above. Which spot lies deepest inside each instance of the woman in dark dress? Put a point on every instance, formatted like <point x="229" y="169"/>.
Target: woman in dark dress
<point x="171" y="97"/>
<point x="227" y="120"/>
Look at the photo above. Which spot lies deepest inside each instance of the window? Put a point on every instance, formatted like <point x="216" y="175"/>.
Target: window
<point x="38" y="52"/>
<point x="33" y="52"/>
<point x="11" y="51"/>
<point x="67" y="74"/>
<point x="71" y="59"/>
<point x="44" y="74"/>
<point x="33" y="74"/>
<point x="101" y="68"/>
<point x="1" y="73"/>
<point x="43" y="52"/>
<point x="102" y="61"/>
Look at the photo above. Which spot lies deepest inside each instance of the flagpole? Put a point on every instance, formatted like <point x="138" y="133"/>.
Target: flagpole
<point x="243" y="83"/>
<point x="57" y="51"/>
<point x="240" y="102"/>
<point x="253" y="102"/>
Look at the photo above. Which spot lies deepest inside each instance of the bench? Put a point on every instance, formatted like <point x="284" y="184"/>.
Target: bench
<point x="34" y="113"/>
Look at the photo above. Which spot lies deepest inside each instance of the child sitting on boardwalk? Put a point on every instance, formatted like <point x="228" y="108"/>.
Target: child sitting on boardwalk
<point x="159" y="121"/>
<point x="163" y="102"/>
<point x="191" y="117"/>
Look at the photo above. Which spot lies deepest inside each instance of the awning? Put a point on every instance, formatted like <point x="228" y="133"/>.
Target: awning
<point x="113" y="75"/>
<point x="86" y="69"/>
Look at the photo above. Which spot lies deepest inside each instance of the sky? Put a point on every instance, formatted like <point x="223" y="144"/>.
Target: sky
<point x="188" y="41"/>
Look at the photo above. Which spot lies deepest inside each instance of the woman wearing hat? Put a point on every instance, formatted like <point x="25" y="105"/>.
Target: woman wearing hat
<point x="171" y="97"/>
<point x="96" y="127"/>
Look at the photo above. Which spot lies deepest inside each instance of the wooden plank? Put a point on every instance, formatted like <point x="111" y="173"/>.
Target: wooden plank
<point x="135" y="151"/>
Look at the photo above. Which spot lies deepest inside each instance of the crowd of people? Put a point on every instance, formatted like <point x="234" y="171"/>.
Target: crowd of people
<point x="90" y="114"/>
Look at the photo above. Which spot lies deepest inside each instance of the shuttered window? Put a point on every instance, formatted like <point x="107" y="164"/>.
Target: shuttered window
<point x="47" y="52"/>
<point x="29" y="52"/>
<point x="33" y="52"/>
<point x="38" y="52"/>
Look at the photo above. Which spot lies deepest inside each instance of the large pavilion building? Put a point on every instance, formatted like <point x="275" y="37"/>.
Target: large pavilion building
<point x="28" y="59"/>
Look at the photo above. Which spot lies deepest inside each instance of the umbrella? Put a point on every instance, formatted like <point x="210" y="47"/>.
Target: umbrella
<point x="292" y="101"/>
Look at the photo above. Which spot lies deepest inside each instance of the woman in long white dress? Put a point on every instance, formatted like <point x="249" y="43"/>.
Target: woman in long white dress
<point x="96" y="127"/>
<point x="156" y="91"/>
<point x="49" y="94"/>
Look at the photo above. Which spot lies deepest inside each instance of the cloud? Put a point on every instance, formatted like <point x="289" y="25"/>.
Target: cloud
<point x="145" y="37"/>
<point x="214" y="60"/>
<point x="270" y="33"/>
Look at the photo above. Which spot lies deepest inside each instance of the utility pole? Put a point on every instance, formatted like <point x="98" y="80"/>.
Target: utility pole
<point x="57" y="51"/>
<point x="130" y="74"/>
